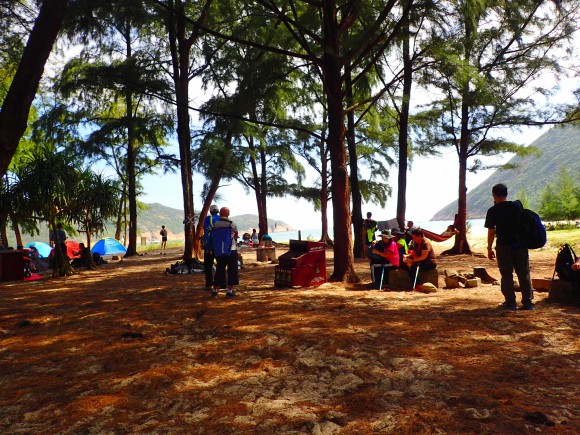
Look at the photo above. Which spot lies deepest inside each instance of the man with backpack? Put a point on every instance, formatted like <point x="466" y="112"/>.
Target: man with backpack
<point x="501" y="222"/>
<point x="208" y="257"/>
<point x="163" y="234"/>
<point x="224" y="237"/>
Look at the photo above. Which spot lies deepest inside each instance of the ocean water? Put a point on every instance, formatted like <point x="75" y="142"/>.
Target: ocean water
<point x="475" y="225"/>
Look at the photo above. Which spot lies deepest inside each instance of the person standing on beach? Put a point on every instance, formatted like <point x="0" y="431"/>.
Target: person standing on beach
<point x="227" y="260"/>
<point x="501" y="224"/>
<point x="368" y="232"/>
<point x="408" y="233"/>
<point x="58" y="236"/>
<point x="163" y="234"/>
<point x="208" y="257"/>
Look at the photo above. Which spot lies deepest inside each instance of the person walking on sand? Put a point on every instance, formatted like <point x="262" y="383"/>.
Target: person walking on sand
<point x="501" y="224"/>
<point x="163" y="234"/>
<point x="225" y="238"/>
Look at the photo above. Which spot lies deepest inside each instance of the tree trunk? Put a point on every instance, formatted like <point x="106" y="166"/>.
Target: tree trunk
<point x="130" y="168"/>
<point x="4" y="234"/>
<point x="461" y="246"/>
<point x="184" y="139"/>
<point x="16" y="106"/>
<point x="263" y="226"/>
<point x="324" y="236"/>
<point x="259" y="183"/>
<point x="17" y="233"/>
<point x="180" y="52"/>
<point x="213" y="188"/>
<point x="120" y="214"/>
<point x="404" y="130"/>
<point x="331" y="67"/>
<point x="357" y="219"/>
<point x="91" y="264"/>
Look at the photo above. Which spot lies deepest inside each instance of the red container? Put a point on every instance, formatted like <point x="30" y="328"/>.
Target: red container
<point x="11" y="265"/>
<point x="304" y="265"/>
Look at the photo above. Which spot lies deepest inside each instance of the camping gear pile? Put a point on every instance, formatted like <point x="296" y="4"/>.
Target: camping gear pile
<point x="185" y="267"/>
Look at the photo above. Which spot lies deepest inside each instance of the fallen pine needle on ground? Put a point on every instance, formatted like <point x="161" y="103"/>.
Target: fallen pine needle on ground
<point x="129" y="349"/>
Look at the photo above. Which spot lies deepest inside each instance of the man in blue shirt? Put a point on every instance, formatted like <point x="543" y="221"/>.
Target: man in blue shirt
<point x="208" y="255"/>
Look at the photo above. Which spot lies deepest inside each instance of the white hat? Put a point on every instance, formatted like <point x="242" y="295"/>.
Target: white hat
<point x="214" y="208"/>
<point x="387" y="234"/>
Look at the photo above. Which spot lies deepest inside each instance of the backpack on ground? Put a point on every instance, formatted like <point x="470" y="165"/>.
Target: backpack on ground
<point x="564" y="260"/>
<point x="222" y="240"/>
<point x="531" y="232"/>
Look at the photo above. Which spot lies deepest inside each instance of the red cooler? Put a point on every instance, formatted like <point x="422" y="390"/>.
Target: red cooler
<point x="11" y="265"/>
<point x="304" y="265"/>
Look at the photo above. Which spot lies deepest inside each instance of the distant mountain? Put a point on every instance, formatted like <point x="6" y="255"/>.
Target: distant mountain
<point x="149" y="223"/>
<point x="246" y="222"/>
<point x="559" y="147"/>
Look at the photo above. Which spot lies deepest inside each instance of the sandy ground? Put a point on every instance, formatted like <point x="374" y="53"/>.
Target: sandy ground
<point x="127" y="349"/>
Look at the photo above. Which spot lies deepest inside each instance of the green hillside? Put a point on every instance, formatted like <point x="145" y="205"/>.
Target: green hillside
<point x="559" y="147"/>
<point x="149" y="223"/>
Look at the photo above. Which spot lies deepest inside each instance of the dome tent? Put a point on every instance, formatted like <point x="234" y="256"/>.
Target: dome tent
<point x="108" y="246"/>
<point x="71" y="248"/>
<point x="42" y="248"/>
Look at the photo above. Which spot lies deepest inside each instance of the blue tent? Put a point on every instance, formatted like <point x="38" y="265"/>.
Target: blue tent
<point x="42" y="248"/>
<point x="108" y="246"/>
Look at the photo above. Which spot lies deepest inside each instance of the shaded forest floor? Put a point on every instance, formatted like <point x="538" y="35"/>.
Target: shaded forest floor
<point x="127" y="349"/>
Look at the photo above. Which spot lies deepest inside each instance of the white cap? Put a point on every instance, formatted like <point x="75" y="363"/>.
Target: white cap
<point x="214" y="208"/>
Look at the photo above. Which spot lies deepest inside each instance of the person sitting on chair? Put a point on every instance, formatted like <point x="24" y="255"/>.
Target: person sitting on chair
<point x="385" y="252"/>
<point x="267" y="241"/>
<point x="422" y="256"/>
<point x="401" y="242"/>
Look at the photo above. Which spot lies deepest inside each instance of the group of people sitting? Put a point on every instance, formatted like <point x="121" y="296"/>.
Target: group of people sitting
<point x="253" y="240"/>
<point x="392" y="252"/>
<point x="31" y="258"/>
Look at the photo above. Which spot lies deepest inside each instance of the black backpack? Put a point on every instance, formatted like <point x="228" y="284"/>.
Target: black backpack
<point x="530" y="230"/>
<point x="564" y="260"/>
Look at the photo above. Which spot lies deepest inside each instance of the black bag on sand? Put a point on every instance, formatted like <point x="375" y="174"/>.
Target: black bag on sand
<point x="564" y="260"/>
